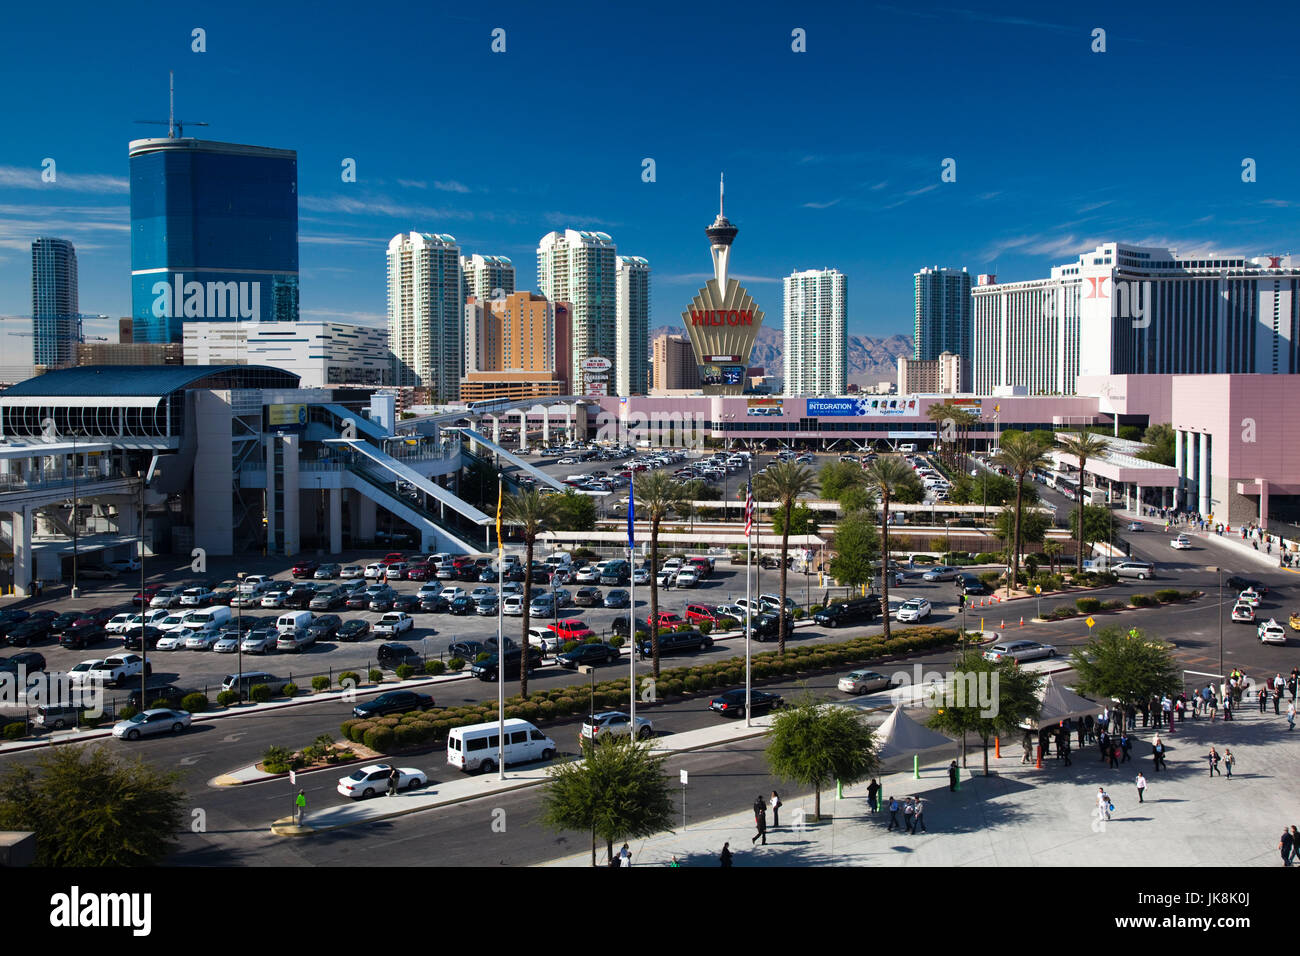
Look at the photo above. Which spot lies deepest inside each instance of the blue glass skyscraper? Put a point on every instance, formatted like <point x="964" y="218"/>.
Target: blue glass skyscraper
<point x="214" y="235"/>
<point x="56" y="319"/>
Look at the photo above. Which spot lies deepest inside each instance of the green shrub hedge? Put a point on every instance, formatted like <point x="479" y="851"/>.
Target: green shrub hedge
<point x="16" y="730"/>
<point x="320" y="682"/>
<point x="290" y="690"/>
<point x="227" y="697"/>
<point x="434" y="668"/>
<point x="1087" y="605"/>
<point x="1142" y="600"/>
<point x="345" y="677"/>
<point x="194" y="703"/>
<point x="259" y="693"/>
<point x="375" y="675"/>
<point x="404" y="671"/>
<point x="1169" y="595"/>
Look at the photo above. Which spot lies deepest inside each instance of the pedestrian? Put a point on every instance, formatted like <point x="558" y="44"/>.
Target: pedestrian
<point x="1227" y="707"/>
<point x="1132" y="717"/>
<point x="1285" y="845"/>
<point x="1126" y="745"/>
<point x="1103" y="804"/>
<point x="1228" y="760"/>
<point x="954" y="773"/>
<point x="1088" y="730"/>
<point x="1180" y="705"/>
<point x="1213" y="757"/>
<point x="1290" y="716"/>
<point x="918" y="815"/>
<point x="394" y="778"/>
<point x="893" y="814"/>
<point x="1278" y="684"/>
<point x="775" y="804"/>
<point x="625" y="856"/>
<point x="1103" y="744"/>
<point x="1263" y="697"/>
<point x="1027" y="742"/>
<point x="300" y="806"/>
<point x="1064" y="748"/>
<point x="760" y="820"/>
<point x="724" y="858"/>
<point x="673" y="861"/>
<point x="1213" y="704"/>
<point x="1295" y="843"/>
<point x="873" y="794"/>
<point x="1112" y="754"/>
<point x="1142" y="786"/>
<point x="909" y="810"/>
<point x="1158" y="753"/>
<point x="1080" y="729"/>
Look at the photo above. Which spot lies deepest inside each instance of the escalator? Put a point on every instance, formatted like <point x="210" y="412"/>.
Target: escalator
<point x="454" y="531"/>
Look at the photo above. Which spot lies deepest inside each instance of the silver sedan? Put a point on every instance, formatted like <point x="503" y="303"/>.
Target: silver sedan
<point x="149" y="723"/>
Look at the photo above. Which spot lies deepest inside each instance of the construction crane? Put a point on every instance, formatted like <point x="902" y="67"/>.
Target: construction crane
<point x="174" y="126"/>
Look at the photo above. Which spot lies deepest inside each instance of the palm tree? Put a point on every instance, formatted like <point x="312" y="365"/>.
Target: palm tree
<point x="886" y="475"/>
<point x="1082" y="446"/>
<point x="658" y="496"/>
<point x="1021" y="455"/>
<point x="530" y="510"/>
<point x="1053" y="550"/>
<point x="783" y="483"/>
<point x="939" y="414"/>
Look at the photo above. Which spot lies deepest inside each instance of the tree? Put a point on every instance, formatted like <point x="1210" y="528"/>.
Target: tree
<point x="887" y="475"/>
<point x="909" y="491"/>
<point x="1098" y="525"/>
<point x="657" y="496"/>
<point x="813" y="744"/>
<point x="1020" y="455"/>
<point x="837" y="477"/>
<point x="1033" y="526"/>
<point x="618" y="791"/>
<point x="90" y="809"/>
<point x="1160" y="441"/>
<point x="939" y="414"/>
<point x="1053" y="551"/>
<point x="573" y="511"/>
<point x="1082" y="446"/>
<point x="1004" y="696"/>
<point x="803" y="520"/>
<point x="1126" y="666"/>
<point x="986" y="488"/>
<point x="530" y="511"/>
<point x="856" y="499"/>
<point x="857" y="548"/>
<point x="784" y="483"/>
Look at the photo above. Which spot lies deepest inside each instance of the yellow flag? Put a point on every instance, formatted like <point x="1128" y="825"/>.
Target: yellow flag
<point x="501" y="545"/>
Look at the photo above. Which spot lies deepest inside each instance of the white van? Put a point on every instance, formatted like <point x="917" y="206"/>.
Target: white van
<point x="559" y="559"/>
<point x="206" y="620"/>
<point x="907" y="448"/>
<point x="476" y="749"/>
<point x="291" y="621"/>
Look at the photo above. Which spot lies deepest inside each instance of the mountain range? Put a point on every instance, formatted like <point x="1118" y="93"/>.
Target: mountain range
<point x="870" y="359"/>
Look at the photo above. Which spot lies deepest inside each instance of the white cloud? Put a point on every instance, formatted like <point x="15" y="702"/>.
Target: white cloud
<point x="820" y="205"/>
<point x="359" y="318"/>
<point x="922" y="190"/>
<point x="451" y="186"/>
<point x="342" y="241"/>
<point x="29" y="177"/>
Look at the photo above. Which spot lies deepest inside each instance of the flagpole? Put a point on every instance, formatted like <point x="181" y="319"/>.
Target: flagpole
<point x="631" y="613"/>
<point x="501" y="644"/>
<point x="749" y="596"/>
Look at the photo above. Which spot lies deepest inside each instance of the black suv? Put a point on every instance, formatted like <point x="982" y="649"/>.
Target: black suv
<point x="863" y="609"/>
<point x="676" y="642"/>
<point x="487" y="670"/>
<point x="393" y="655"/>
<point x="590" y="654"/>
<point x="299" y="596"/>
<point x="33" y="661"/>
<point x="620" y="625"/>
<point x="81" y="636"/>
<point x="767" y="627"/>
<point x="393" y="702"/>
<point x="29" y="632"/>
<point x="325" y="627"/>
<point x="968" y="583"/>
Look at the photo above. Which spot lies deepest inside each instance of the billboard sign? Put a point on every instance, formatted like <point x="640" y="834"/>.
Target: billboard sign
<point x="286" y="418"/>
<point x="764" y="407"/>
<point x="722" y="375"/>
<point x="597" y="389"/>
<point x="597" y="363"/>
<point x="872" y="407"/>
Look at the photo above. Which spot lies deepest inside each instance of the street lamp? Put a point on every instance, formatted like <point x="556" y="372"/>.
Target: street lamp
<point x="76" y="592"/>
<point x="239" y="629"/>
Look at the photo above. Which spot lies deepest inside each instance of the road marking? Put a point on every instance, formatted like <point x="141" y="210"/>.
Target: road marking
<point x="192" y="759"/>
<point x="231" y="738"/>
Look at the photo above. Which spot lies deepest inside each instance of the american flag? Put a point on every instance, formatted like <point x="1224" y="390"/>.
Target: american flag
<point x="749" y="507"/>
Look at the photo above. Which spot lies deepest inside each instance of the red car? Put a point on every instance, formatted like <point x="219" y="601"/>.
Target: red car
<point x="669" y="621"/>
<point x="392" y="557"/>
<point x="419" y="572"/>
<point x="304" y="569"/>
<point x="150" y="591"/>
<point x="571" y="630"/>
<point x="695" y="613"/>
<point x="96" y="615"/>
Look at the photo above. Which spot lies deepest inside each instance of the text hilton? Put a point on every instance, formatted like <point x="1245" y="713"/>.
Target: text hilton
<point x="723" y="317"/>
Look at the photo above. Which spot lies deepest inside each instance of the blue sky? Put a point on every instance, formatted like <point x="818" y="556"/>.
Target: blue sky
<point x="832" y="156"/>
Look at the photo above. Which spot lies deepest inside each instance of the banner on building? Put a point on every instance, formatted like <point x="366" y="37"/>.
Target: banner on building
<point x="286" y="417"/>
<point x="764" y="406"/>
<point x="874" y="406"/>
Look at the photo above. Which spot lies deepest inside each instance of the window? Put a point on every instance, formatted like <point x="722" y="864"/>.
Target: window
<point x="478" y="743"/>
<point x="519" y="737"/>
<point x="537" y="735"/>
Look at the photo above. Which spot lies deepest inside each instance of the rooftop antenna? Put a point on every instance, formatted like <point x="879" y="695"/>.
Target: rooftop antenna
<point x="722" y="188"/>
<point x="175" y="127"/>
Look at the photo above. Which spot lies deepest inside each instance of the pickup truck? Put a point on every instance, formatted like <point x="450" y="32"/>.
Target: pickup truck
<point x="394" y="623"/>
<point x="118" y="670"/>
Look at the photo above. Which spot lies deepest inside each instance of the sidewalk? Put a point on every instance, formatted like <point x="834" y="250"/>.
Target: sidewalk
<point x="1027" y="817"/>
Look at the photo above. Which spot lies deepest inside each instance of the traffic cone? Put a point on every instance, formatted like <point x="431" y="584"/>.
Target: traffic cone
<point x="1022" y="620"/>
<point x="997" y="747"/>
<point x="1004" y="624"/>
<point x="1038" y="764"/>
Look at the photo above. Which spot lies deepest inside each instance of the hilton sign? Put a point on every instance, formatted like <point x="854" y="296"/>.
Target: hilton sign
<point x="723" y="317"/>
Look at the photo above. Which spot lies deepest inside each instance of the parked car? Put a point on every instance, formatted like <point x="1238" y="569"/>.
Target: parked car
<point x="297" y="640"/>
<point x="968" y="584"/>
<point x="247" y="680"/>
<point x="327" y="572"/>
<point x="486" y="670"/>
<point x="863" y="682"/>
<point x="393" y="655"/>
<point x="373" y="779"/>
<point x="327" y="599"/>
<point x="861" y="610"/>
<point x="352" y="571"/>
<point x="120" y="669"/>
<point x="81" y="636"/>
<point x="382" y="600"/>
<point x="304" y="569"/>
<point x="615" y="598"/>
<point x="588" y="597"/>
<point x="613" y="723"/>
<point x="1019" y="651"/>
<point x="732" y="703"/>
<point x="29" y="632"/>
<point x="393" y="702"/>
<point x="149" y="723"/>
<point x="201" y="640"/>
<point x="325" y="627"/>
<point x="140" y="638"/>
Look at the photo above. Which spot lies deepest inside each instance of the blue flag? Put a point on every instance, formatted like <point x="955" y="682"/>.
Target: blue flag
<point x="631" y="512"/>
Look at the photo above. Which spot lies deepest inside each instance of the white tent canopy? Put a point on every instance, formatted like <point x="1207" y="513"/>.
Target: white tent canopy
<point x="901" y="736"/>
<point x="1061" y="703"/>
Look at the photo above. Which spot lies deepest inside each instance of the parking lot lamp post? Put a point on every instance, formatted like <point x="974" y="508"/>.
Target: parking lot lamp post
<point x="144" y="605"/>
<point x="1220" y="569"/>
<point x="76" y="592"/>
<point x="239" y="629"/>
<point x="591" y="673"/>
